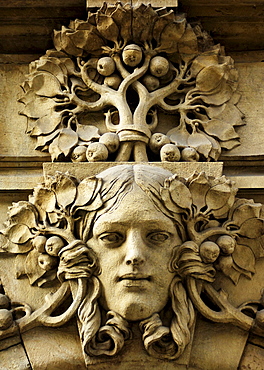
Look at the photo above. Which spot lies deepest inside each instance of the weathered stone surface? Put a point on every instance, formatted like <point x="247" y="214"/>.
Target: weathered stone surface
<point x="226" y="345"/>
<point x="14" y="142"/>
<point x="253" y="358"/>
<point x="82" y="170"/>
<point x="14" y="358"/>
<point x="51" y="349"/>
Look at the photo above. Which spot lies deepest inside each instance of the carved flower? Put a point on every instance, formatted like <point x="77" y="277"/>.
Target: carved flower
<point x="170" y="66"/>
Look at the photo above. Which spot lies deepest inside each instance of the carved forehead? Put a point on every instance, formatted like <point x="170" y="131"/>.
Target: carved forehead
<point x="142" y="175"/>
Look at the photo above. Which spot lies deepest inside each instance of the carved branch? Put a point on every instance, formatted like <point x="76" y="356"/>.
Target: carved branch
<point x="228" y="313"/>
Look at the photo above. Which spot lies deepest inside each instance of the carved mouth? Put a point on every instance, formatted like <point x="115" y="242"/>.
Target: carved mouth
<point x="134" y="277"/>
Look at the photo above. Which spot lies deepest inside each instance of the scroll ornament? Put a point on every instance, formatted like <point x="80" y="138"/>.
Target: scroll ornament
<point x="223" y="235"/>
<point x="132" y="64"/>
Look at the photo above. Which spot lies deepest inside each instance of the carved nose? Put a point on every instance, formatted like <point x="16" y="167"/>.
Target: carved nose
<point x="135" y="246"/>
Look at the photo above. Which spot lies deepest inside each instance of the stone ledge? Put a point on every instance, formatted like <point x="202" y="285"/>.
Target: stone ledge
<point x="82" y="170"/>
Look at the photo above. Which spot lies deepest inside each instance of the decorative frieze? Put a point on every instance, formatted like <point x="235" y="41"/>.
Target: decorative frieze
<point x="105" y="91"/>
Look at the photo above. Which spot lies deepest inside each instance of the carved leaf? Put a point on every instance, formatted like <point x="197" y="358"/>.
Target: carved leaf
<point x="45" y="199"/>
<point x="46" y="124"/>
<point x="165" y="195"/>
<point x="54" y="149"/>
<point x="224" y="131"/>
<point x="107" y="27"/>
<point x="201" y="62"/>
<point x="67" y="140"/>
<point x="230" y="144"/>
<point x="219" y="96"/>
<point x="188" y="45"/>
<point x="143" y="19"/>
<point x="65" y="190"/>
<point x="87" y="132"/>
<point x="198" y="188"/>
<point x="32" y="268"/>
<point x="37" y="106"/>
<point x="180" y="194"/>
<point x="179" y="136"/>
<point x="210" y="77"/>
<point x="217" y="196"/>
<point x="23" y="213"/>
<point x="245" y="212"/>
<point x="225" y="264"/>
<point x="45" y="84"/>
<point x="42" y="141"/>
<point x="62" y="42"/>
<point x="252" y="228"/>
<point x="123" y="18"/>
<point x="200" y="143"/>
<point x="47" y="65"/>
<point x="18" y="233"/>
<point x="87" y="39"/>
<point x="170" y="35"/>
<point x="161" y="23"/>
<point x="244" y="258"/>
<point x="86" y="190"/>
<point x="10" y="247"/>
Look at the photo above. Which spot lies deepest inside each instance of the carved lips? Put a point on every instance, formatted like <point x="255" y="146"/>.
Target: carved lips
<point x="134" y="280"/>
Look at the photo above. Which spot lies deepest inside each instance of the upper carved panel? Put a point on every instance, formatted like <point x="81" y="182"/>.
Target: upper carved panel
<point x="132" y="83"/>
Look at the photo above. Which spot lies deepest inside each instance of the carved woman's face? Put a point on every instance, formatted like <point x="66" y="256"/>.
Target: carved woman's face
<point x="134" y="243"/>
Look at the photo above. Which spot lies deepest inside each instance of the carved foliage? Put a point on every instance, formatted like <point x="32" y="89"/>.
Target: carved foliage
<point x="132" y="64"/>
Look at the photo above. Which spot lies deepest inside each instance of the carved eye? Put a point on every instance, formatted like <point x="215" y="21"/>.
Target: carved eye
<point x="111" y="239"/>
<point x="158" y="237"/>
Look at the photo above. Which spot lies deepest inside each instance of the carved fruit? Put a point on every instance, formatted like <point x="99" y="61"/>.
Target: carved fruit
<point x="47" y="262"/>
<point x="79" y="154"/>
<point x="170" y="153"/>
<point x="157" y="141"/>
<point x="110" y="140"/>
<point x="132" y="55"/>
<point x="227" y="244"/>
<point x="4" y="301"/>
<point x="209" y="252"/>
<point x="190" y="155"/>
<point x="260" y="318"/>
<point x="6" y="319"/>
<point x="159" y="66"/>
<point x="54" y="245"/>
<point x="224" y="263"/>
<point x="152" y="83"/>
<point x="106" y="66"/>
<point x="113" y="81"/>
<point x="39" y="243"/>
<point x="96" y="152"/>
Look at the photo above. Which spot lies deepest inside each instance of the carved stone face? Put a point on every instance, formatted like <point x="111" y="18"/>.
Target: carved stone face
<point x="134" y="243"/>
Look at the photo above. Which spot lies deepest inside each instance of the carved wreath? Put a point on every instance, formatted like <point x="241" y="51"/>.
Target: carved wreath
<point x="223" y="236"/>
<point x="132" y="63"/>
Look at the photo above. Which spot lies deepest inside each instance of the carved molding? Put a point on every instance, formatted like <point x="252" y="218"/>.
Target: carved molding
<point x="111" y="82"/>
<point x="64" y="236"/>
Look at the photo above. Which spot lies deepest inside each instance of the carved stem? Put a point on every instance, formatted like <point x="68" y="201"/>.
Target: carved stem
<point x="228" y="313"/>
<point x="199" y="237"/>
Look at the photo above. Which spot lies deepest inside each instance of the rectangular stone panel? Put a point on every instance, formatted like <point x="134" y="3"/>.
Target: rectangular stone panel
<point x="82" y="170"/>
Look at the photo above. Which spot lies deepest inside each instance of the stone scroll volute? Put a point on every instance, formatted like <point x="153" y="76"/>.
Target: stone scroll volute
<point x="150" y="267"/>
<point x="105" y="91"/>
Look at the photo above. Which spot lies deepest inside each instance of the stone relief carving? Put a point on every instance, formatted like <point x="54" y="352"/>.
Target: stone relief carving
<point x="153" y="265"/>
<point x="104" y="91"/>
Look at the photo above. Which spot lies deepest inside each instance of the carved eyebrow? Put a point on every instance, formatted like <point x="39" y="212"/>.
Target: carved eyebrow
<point x="152" y="225"/>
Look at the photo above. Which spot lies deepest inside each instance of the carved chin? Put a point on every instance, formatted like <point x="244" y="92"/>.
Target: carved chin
<point x="135" y="309"/>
